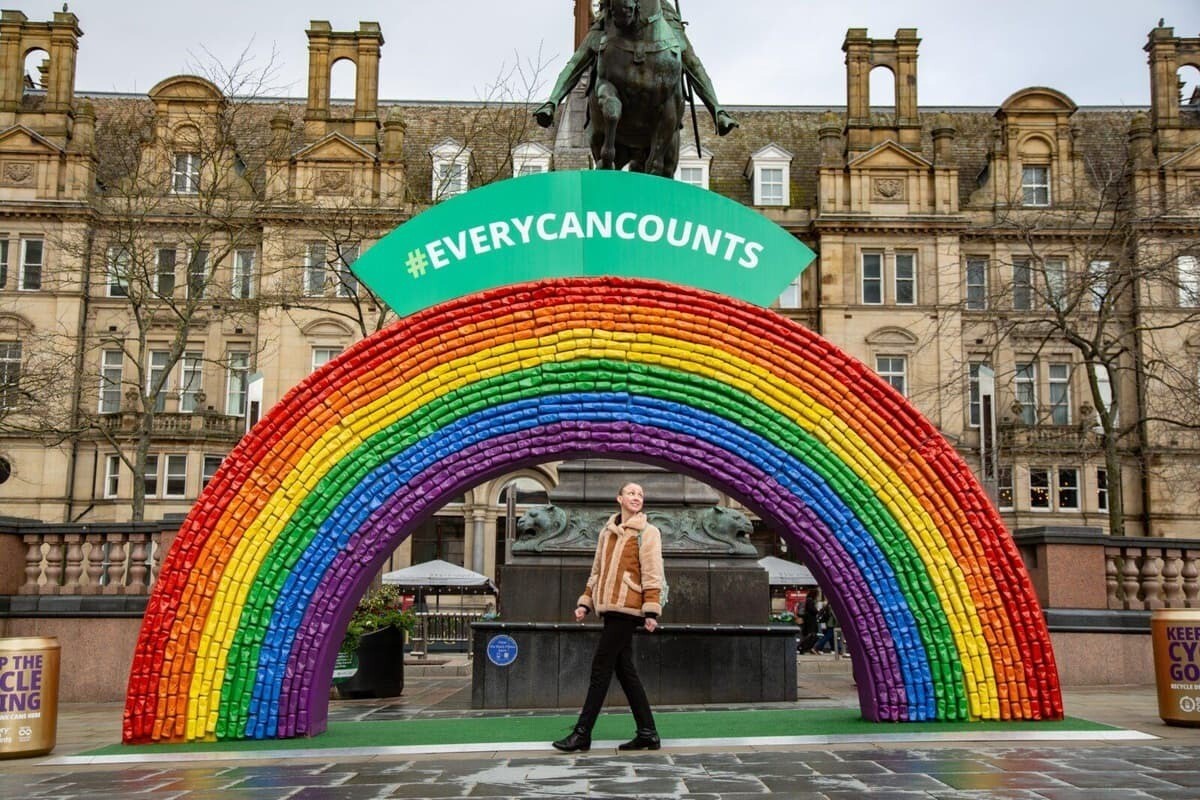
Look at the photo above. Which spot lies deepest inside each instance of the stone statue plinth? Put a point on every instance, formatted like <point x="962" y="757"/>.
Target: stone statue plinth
<point x="713" y="644"/>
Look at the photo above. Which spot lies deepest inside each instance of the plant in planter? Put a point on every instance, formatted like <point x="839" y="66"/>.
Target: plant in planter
<point x="371" y="658"/>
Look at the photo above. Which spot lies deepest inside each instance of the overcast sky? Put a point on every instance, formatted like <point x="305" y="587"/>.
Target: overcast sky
<point x="759" y="52"/>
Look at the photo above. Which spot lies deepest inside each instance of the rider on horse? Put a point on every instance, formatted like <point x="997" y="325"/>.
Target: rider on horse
<point x="585" y="58"/>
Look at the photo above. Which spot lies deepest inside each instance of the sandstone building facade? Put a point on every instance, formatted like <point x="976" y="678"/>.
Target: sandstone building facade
<point x="172" y="263"/>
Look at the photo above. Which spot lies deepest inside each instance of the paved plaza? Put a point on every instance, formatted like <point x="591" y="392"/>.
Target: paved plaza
<point x="1165" y="767"/>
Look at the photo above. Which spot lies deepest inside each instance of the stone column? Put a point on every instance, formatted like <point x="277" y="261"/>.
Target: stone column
<point x="12" y="65"/>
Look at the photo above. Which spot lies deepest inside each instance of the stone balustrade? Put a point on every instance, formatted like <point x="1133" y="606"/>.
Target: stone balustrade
<point x="1152" y="573"/>
<point x="82" y="560"/>
<point x="1085" y="568"/>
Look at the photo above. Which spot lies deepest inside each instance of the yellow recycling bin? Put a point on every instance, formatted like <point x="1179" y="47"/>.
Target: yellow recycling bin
<point x="28" y="696"/>
<point x="1175" y="633"/>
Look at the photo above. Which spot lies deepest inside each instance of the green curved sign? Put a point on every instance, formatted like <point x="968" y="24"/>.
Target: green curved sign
<point x="586" y="223"/>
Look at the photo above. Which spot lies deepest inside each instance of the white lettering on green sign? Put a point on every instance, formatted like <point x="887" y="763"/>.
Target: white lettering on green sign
<point x="582" y="224"/>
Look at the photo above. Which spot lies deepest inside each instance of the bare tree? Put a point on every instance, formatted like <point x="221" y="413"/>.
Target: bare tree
<point x="1103" y="277"/>
<point x="335" y="224"/>
<point x="167" y="259"/>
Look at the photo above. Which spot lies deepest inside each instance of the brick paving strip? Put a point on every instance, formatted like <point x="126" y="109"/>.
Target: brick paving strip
<point x="1044" y="772"/>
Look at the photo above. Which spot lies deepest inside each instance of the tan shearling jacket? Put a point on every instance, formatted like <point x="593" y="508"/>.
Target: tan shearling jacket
<point x="625" y="578"/>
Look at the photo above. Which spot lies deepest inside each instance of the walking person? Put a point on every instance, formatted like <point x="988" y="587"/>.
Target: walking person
<point x="827" y="623"/>
<point x="808" y="624"/>
<point x="625" y="589"/>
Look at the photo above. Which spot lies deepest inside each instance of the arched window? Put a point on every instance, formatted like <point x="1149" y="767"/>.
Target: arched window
<point x="883" y="90"/>
<point x="1036" y="156"/>
<point x="343" y="80"/>
<point x="1189" y="88"/>
<point x="36" y="70"/>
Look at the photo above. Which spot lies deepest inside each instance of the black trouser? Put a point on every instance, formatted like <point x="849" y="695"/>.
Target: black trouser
<point x="615" y="651"/>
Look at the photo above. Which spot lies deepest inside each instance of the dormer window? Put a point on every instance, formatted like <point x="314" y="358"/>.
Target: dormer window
<point x="530" y="158"/>
<point x="1035" y="185"/>
<point x="451" y="169"/>
<point x="693" y="167"/>
<point x="185" y="175"/>
<point x="770" y="171"/>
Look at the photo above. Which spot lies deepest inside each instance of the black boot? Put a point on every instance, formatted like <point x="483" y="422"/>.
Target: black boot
<point x="578" y="740"/>
<point x="644" y="740"/>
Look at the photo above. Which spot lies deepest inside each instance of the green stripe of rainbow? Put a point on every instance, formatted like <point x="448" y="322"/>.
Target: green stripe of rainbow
<point x="236" y="641"/>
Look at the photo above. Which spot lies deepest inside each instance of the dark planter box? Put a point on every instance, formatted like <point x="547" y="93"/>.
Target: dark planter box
<point x="380" y="666"/>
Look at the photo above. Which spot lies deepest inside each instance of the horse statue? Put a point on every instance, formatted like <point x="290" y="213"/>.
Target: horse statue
<point x="636" y="105"/>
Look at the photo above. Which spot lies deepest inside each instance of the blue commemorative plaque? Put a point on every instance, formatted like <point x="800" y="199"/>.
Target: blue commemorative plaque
<point x="502" y="650"/>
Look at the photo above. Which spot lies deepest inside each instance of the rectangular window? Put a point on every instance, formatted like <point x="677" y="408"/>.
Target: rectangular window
<point x="450" y="178"/>
<point x="314" y="269"/>
<point x="211" y="465"/>
<point x="191" y="379"/>
<point x="243" y="274"/>
<point x="872" y="279"/>
<point x="32" y="254"/>
<point x="1025" y="380"/>
<point x="10" y="374"/>
<point x="1039" y="488"/>
<point x="150" y="476"/>
<point x="322" y="356"/>
<point x="894" y="370"/>
<point x="1035" y="186"/>
<point x="236" y="381"/>
<point x="1098" y="281"/>
<point x="1102" y="489"/>
<point x="974" y="400"/>
<point x="175" y="476"/>
<point x="3" y="261"/>
<point x="1022" y="285"/>
<point x="111" y="367"/>
<point x="977" y="284"/>
<point x="112" y="476"/>
<point x="770" y="186"/>
<point x="693" y="176"/>
<point x="1056" y="282"/>
<point x="164" y="272"/>
<point x="197" y="273"/>
<point x="1188" y="269"/>
<point x="1059" y="376"/>
<point x="185" y="175"/>
<point x="118" y="266"/>
<point x="906" y="279"/>
<point x="347" y="284"/>
<point x="532" y="168"/>
<point x="1004" y="489"/>
<point x="1068" y="489"/>
<point x="791" y="297"/>
<point x="159" y="359"/>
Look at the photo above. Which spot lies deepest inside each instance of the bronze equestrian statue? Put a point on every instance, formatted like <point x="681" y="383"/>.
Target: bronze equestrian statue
<point x="640" y="54"/>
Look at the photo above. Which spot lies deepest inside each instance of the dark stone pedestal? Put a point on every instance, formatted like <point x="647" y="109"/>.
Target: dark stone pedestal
<point x="678" y="664"/>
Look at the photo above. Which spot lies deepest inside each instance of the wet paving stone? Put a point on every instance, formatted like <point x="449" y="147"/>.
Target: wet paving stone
<point x="1008" y="780"/>
<point x="1112" y="780"/>
<point x="342" y="793"/>
<point x="1103" y="772"/>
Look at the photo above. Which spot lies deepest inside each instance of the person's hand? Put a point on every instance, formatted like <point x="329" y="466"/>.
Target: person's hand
<point x="651" y="624"/>
<point x="580" y="613"/>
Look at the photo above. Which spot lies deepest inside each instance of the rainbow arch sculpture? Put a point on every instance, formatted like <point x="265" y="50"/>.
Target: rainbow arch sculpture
<point x="244" y="623"/>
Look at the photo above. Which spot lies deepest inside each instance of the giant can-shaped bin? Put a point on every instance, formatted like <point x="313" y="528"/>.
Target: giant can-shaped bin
<point x="28" y="696"/>
<point x="1176" y="636"/>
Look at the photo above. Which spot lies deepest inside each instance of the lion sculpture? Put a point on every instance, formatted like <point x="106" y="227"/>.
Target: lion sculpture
<point x="712" y="530"/>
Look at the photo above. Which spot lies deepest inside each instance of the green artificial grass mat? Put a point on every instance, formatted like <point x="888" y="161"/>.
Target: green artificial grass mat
<point x="671" y="725"/>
